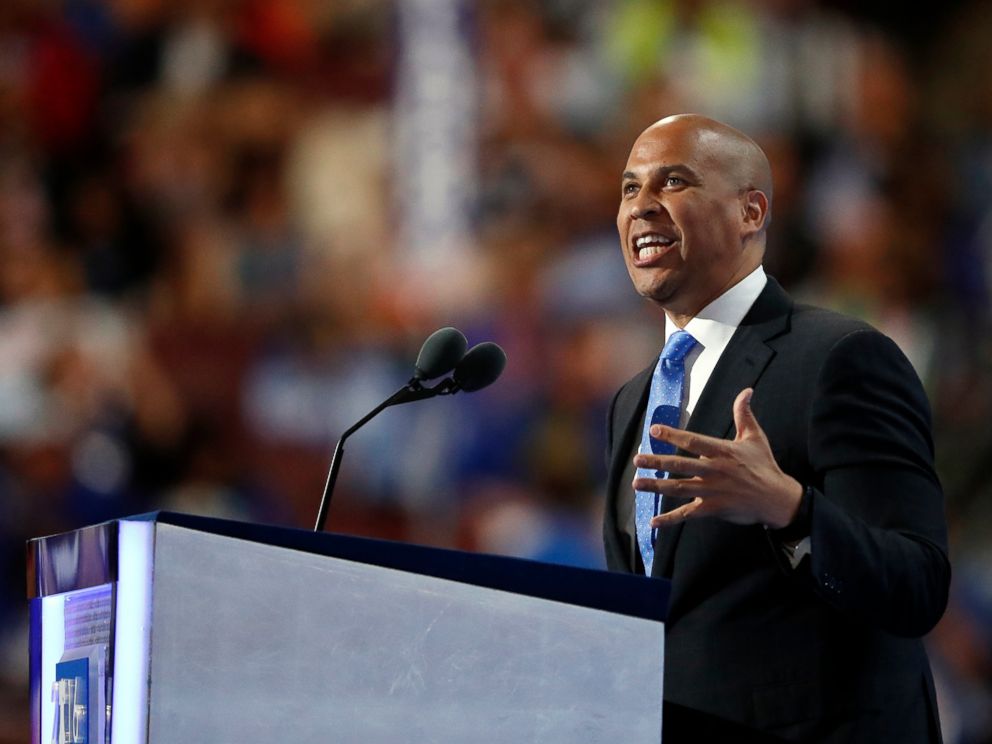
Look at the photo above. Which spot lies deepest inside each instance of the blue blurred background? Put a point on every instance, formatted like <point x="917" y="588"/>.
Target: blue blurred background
<point x="227" y="225"/>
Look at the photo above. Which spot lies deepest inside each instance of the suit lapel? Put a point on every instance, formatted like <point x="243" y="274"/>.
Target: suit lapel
<point x="626" y="417"/>
<point x="741" y="365"/>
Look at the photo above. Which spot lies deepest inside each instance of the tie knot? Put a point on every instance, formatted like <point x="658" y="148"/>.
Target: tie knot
<point x="678" y="345"/>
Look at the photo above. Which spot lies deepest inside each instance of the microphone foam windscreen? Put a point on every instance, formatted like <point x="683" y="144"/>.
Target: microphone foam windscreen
<point x="482" y="366"/>
<point x="442" y="350"/>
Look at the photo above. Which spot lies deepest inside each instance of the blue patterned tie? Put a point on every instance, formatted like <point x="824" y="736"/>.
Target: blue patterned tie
<point x="664" y="407"/>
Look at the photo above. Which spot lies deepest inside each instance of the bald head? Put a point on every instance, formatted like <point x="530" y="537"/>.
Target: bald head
<point x="738" y="156"/>
<point x="694" y="208"/>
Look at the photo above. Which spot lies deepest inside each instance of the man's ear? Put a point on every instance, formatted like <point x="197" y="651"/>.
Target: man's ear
<point x="755" y="214"/>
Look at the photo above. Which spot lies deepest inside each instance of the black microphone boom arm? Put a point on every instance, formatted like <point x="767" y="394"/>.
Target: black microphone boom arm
<point x="409" y="393"/>
<point x="443" y="352"/>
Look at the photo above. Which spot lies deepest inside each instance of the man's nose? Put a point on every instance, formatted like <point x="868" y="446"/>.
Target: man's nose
<point x="645" y="207"/>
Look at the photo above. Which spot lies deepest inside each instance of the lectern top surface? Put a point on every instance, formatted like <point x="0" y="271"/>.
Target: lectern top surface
<point x="635" y="596"/>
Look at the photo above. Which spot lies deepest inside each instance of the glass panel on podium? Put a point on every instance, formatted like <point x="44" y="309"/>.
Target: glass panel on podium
<point x="72" y="610"/>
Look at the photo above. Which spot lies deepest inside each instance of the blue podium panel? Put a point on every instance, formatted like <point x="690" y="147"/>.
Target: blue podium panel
<point x="225" y="632"/>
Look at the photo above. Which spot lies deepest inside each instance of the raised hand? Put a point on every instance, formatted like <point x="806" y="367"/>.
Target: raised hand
<point x="738" y="481"/>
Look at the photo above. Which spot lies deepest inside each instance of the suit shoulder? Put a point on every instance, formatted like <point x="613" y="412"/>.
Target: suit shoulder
<point x="852" y="351"/>
<point x="817" y="335"/>
<point x="828" y="324"/>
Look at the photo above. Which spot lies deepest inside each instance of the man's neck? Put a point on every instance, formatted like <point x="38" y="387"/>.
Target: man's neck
<point x="681" y="318"/>
<point x="728" y="307"/>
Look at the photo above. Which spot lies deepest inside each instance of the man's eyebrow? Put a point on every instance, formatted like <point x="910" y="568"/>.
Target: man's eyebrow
<point x="662" y="170"/>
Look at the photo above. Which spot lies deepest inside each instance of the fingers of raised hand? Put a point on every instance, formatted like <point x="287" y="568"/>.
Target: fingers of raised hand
<point x="684" y="466"/>
<point x="745" y="421"/>
<point x="683" y="487"/>
<point x="697" y="444"/>
<point x="681" y="514"/>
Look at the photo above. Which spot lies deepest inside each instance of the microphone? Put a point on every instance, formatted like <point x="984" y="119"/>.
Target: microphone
<point x="479" y="368"/>
<point x="442" y="352"/>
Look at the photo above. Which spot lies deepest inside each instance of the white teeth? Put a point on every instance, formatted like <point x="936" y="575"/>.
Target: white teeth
<point x="651" y="245"/>
<point x="652" y="238"/>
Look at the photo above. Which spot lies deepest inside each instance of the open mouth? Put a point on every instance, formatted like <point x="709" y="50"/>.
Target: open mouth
<point x="651" y="245"/>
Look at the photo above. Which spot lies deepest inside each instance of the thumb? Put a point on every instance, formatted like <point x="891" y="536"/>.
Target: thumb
<point x="747" y="425"/>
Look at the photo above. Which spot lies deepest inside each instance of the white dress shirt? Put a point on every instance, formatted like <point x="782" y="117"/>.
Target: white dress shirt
<point x="712" y="329"/>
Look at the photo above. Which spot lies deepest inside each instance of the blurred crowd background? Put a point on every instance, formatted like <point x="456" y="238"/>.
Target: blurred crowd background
<point x="226" y="226"/>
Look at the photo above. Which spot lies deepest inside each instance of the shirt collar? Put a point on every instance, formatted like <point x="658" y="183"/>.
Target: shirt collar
<point x="716" y="323"/>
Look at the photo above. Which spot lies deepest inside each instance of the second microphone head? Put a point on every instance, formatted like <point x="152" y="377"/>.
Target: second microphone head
<point x="482" y="365"/>
<point x="442" y="350"/>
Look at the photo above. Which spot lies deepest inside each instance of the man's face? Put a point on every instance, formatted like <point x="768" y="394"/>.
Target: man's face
<point x="680" y="218"/>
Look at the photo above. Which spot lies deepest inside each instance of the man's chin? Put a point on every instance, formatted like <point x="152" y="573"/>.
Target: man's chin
<point x="660" y="293"/>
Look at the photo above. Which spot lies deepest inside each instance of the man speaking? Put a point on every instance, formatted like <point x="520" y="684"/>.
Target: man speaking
<point x="775" y="462"/>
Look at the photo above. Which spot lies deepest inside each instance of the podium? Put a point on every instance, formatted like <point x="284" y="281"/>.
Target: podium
<point x="169" y="629"/>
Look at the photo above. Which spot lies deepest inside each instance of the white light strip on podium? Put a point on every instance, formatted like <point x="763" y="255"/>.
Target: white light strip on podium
<point x="52" y="648"/>
<point x="129" y="715"/>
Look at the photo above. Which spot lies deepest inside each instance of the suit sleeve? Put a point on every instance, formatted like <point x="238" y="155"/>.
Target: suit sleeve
<point x="878" y="531"/>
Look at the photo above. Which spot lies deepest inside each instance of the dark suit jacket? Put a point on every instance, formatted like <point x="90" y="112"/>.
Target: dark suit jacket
<point x="831" y="651"/>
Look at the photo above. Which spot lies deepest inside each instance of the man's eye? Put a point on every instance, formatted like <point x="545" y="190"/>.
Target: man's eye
<point x="629" y="188"/>
<point x="674" y="181"/>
